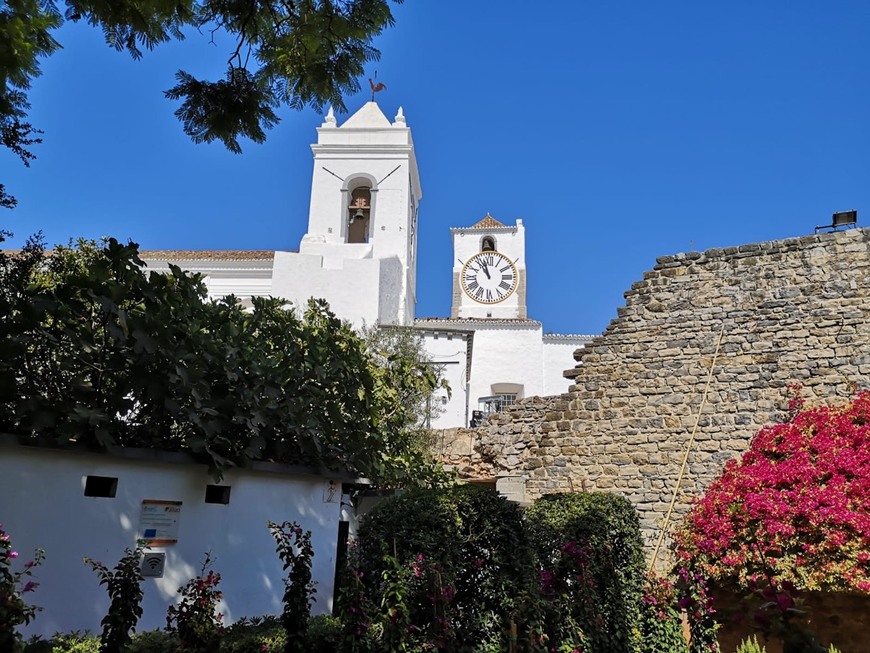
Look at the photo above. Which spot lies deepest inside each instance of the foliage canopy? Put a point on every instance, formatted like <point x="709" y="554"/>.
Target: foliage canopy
<point x="97" y="350"/>
<point x="287" y="52"/>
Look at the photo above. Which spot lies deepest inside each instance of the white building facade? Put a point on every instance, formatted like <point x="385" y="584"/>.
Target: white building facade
<point x="360" y="254"/>
<point x="74" y="503"/>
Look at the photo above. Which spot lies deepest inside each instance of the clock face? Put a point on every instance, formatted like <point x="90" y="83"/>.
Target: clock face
<point x="489" y="277"/>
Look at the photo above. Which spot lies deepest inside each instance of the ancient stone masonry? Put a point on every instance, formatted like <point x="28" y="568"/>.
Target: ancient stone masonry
<point x="790" y="311"/>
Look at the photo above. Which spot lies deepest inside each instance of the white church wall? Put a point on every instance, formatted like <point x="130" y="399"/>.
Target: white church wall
<point x="391" y="310"/>
<point x="559" y="356"/>
<point x="450" y="352"/>
<point x="221" y="285"/>
<point x="506" y="354"/>
<point x="352" y="291"/>
<point x="44" y="506"/>
<point x="240" y="278"/>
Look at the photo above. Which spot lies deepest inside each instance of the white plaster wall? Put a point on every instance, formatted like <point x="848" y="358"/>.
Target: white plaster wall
<point x="225" y="278"/>
<point x="391" y="213"/>
<point x="506" y="354"/>
<point x="391" y="308"/>
<point x="558" y="357"/>
<point x="241" y="286"/>
<point x="42" y="504"/>
<point x="450" y="350"/>
<point x="352" y="291"/>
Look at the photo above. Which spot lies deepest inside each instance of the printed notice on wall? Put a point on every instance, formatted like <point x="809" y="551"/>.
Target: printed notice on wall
<point x="158" y="523"/>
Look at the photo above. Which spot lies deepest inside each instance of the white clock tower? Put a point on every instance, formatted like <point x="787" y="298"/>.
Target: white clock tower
<point x="489" y="270"/>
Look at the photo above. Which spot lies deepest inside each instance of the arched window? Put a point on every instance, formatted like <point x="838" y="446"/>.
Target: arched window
<point x="487" y="244"/>
<point x="359" y="213"/>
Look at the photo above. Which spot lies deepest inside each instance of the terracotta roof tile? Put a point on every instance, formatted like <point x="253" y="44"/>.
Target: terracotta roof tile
<point x="206" y="255"/>
<point x="488" y="222"/>
<point x="474" y="321"/>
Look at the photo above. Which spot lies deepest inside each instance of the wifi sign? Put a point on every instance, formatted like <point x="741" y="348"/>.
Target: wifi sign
<point x="152" y="565"/>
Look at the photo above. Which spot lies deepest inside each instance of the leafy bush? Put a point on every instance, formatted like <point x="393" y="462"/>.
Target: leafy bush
<point x="247" y="635"/>
<point x="453" y="567"/>
<point x="661" y="628"/>
<point x="195" y="620"/>
<point x="154" y="641"/>
<point x="294" y="548"/>
<point x="792" y="508"/>
<point x="324" y="635"/>
<point x="74" y="642"/>
<point x="751" y="645"/>
<point x="592" y="569"/>
<point x="254" y="635"/>
<point x="14" y="610"/>
<point x="102" y="352"/>
<point x="124" y="585"/>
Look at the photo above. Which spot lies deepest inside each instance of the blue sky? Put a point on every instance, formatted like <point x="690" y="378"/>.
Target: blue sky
<point x="618" y="132"/>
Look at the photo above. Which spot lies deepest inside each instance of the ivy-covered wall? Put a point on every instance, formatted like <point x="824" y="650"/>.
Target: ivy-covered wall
<point x="793" y="311"/>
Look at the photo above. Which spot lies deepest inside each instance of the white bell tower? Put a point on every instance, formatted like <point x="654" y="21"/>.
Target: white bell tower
<point x="362" y="221"/>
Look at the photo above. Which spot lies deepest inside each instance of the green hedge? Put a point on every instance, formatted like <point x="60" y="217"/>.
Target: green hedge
<point x="591" y="554"/>
<point x="454" y="566"/>
<point x="247" y="635"/>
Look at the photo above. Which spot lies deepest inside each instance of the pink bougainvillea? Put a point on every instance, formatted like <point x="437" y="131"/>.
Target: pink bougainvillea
<point x="796" y="506"/>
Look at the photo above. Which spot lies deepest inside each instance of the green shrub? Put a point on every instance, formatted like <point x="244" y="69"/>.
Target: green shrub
<point x="751" y="645"/>
<point x="252" y="634"/>
<point x="294" y="547"/>
<point x="37" y="644"/>
<point x="124" y="585"/>
<point x="74" y="642"/>
<point x="661" y="627"/>
<point x="14" y="610"/>
<point x="194" y="620"/>
<point x="151" y="641"/>
<point x="591" y="553"/>
<point x="450" y="568"/>
<point x="154" y="641"/>
<point x="324" y="634"/>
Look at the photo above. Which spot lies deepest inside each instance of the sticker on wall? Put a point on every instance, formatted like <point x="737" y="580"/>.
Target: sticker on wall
<point x="152" y="565"/>
<point x="330" y="492"/>
<point x="158" y="522"/>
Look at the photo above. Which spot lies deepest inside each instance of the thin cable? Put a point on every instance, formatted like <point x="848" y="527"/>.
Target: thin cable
<point x="667" y="520"/>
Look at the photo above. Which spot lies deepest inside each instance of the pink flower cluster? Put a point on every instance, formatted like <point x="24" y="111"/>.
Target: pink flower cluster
<point x="797" y="504"/>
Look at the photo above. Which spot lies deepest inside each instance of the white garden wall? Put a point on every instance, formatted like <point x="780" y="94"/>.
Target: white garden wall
<point x="42" y="504"/>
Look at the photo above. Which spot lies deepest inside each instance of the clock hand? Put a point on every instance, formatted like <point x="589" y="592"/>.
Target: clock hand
<point x="485" y="268"/>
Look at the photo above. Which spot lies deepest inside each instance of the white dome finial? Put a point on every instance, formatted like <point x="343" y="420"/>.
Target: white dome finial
<point x="400" y="117"/>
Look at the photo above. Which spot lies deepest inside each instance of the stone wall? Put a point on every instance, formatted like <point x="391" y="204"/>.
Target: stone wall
<point x="789" y="311"/>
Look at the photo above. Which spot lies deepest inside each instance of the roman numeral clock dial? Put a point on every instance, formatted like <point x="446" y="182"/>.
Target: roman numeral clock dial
<point x="489" y="277"/>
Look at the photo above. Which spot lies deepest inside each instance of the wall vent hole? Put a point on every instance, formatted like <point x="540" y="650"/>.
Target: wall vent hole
<point x="101" y="486"/>
<point x="217" y="494"/>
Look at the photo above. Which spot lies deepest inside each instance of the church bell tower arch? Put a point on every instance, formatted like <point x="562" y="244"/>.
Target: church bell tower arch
<point x="365" y="193"/>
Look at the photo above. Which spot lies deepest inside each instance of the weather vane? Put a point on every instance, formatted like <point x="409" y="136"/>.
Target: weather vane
<point x="376" y="87"/>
